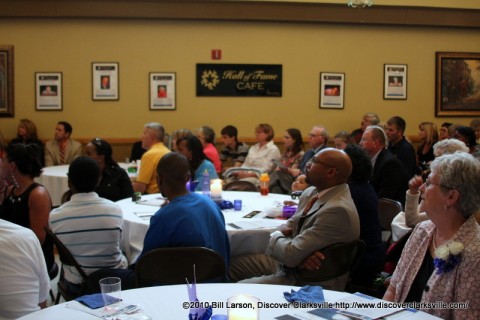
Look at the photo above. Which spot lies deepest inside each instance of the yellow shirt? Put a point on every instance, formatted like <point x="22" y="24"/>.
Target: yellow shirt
<point x="148" y="166"/>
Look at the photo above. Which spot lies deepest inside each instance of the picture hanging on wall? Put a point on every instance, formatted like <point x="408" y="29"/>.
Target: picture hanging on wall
<point x="6" y="82"/>
<point x="457" y="84"/>
<point x="332" y="90"/>
<point x="395" y="81"/>
<point x="48" y="91"/>
<point x="162" y="91"/>
<point x="105" y="81"/>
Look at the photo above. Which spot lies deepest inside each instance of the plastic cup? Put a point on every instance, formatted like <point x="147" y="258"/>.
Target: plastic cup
<point x="237" y="205"/>
<point x="111" y="289"/>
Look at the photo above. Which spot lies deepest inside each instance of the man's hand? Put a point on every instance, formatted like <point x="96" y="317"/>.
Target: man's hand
<point x="313" y="261"/>
<point x="287" y="232"/>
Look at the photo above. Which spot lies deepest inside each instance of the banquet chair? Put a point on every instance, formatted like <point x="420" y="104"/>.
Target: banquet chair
<point x="340" y="258"/>
<point x="52" y="273"/>
<point x="387" y="210"/>
<point x="240" y="185"/>
<point x="67" y="259"/>
<point x="174" y="265"/>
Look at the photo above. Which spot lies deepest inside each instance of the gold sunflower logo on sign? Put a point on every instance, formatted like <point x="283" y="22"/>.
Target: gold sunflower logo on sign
<point x="210" y="79"/>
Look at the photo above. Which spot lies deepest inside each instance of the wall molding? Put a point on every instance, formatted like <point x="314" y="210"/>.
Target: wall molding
<point x="242" y="11"/>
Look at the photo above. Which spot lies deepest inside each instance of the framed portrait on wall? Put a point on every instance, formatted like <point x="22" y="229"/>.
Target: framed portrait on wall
<point x="162" y="91"/>
<point x="457" y="88"/>
<point x="6" y="82"/>
<point x="48" y="91"/>
<point x="395" y="81"/>
<point x="105" y="81"/>
<point x="332" y="90"/>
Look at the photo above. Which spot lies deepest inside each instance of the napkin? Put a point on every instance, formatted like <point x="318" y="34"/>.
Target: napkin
<point x="94" y="301"/>
<point x="225" y="204"/>
<point x="306" y="294"/>
<point x="196" y="313"/>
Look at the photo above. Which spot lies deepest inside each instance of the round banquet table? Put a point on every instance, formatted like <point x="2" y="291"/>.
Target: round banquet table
<point x="166" y="302"/>
<point x="246" y="235"/>
<point x="55" y="180"/>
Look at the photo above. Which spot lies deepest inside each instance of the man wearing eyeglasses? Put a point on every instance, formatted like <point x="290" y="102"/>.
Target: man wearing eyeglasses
<point x="326" y="215"/>
<point x="62" y="150"/>
<point x="317" y="140"/>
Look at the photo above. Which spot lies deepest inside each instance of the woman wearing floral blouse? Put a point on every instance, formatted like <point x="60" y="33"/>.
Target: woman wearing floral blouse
<point x="440" y="260"/>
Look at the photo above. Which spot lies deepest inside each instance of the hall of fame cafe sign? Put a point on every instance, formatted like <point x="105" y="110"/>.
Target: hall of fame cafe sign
<point x="239" y="80"/>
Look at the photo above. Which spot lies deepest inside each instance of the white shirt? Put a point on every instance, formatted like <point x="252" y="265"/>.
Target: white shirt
<point x="261" y="157"/>
<point x="23" y="273"/>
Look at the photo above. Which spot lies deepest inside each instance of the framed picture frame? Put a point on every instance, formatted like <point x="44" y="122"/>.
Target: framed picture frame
<point x="7" y="108"/>
<point x="105" y="82"/>
<point x="395" y="82"/>
<point x="332" y="90"/>
<point x="48" y="91"/>
<point x="456" y="91"/>
<point x="162" y="91"/>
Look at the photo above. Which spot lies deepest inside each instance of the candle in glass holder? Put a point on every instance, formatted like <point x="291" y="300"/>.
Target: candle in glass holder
<point x="243" y="307"/>
<point x="216" y="190"/>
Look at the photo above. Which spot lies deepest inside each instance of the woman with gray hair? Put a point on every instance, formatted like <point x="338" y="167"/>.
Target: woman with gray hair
<point x="207" y="138"/>
<point x="441" y="258"/>
<point x="414" y="212"/>
<point x="449" y="146"/>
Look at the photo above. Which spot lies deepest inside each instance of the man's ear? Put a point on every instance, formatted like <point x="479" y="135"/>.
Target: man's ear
<point x="159" y="180"/>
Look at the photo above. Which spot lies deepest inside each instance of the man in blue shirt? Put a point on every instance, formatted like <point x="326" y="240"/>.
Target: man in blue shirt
<point x="188" y="219"/>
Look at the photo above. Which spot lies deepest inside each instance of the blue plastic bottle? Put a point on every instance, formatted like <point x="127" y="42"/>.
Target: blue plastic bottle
<point x="206" y="183"/>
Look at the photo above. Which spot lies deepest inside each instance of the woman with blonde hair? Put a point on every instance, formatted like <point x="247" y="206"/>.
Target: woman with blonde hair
<point x="429" y="136"/>
<point x="27" y="134"/>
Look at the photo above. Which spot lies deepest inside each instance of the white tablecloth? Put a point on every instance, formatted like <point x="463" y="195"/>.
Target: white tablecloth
<point x="252" y="238"/>
<point x="166" y="302"/>
<point x="399" y="226"/>
<point x="55" y="180"/>
<point x="171" y="302"/>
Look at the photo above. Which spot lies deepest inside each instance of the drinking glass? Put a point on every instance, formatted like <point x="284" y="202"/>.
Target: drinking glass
<point x="111" y="288"/>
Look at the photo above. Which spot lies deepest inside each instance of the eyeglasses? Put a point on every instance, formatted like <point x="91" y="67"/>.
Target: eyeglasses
<point x="315" y="160"/>
<point x="428" y="183"/>
<point x="311" y="135"/>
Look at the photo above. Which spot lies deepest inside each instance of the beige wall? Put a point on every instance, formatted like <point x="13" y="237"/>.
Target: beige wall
<point x="304" y="50"/>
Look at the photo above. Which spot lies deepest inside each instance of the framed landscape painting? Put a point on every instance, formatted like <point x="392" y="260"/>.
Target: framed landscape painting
<point x="457" y="84"/>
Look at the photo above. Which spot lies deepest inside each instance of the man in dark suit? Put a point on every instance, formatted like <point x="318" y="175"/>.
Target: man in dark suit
<point x="317" y="139"/>
<point x="389" y="179"/>
<point x="399" y="146"/>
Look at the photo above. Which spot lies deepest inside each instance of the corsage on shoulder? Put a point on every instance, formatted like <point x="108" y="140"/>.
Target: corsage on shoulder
<point x="448" y="256"/>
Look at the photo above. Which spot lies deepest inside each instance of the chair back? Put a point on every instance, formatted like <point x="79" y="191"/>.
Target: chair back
<point x="240" y="185"/>
<point x="340" y="258"/>
<point x="387" y="210"/>
<point x="65" y="255"/>
<point x="173" y="265"/>
<point x="67" y="259"/>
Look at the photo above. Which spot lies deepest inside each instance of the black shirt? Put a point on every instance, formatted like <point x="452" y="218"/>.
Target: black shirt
<point x="419" y="285"/>
<point x="115" y="184"/>
<point x="15" y="209"/>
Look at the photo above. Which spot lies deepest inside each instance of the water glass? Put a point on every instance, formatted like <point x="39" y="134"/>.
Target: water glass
<point x="111" y="289"/>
